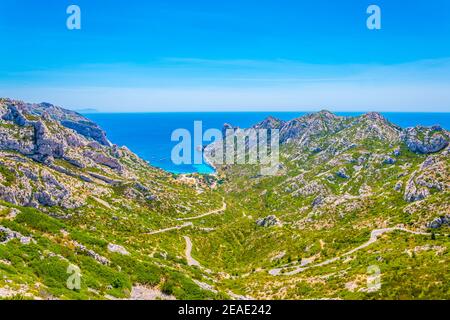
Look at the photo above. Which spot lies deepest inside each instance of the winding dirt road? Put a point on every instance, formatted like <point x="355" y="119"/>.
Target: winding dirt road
<point x="187" y="224"/>
<point x="224" y="207"/>
<point x="191" y="261"/>
<point x="374" y="236"/>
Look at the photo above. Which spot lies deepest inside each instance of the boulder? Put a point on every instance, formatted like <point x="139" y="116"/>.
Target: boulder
<point x="7" y="235"/>
<point x="317" y="201"/>
<point x="91" y="253"/>
<point x="342" y="174"/>
<point x="44" y="199"/>
<point x="117" y="249"/>
<point x="439" y="222"/>
<point x="103" y="159"/>
<point x="269" y="221"/>
<point x="141" y="187"/>
<point x="415" y="193"/>
<point x="389" y="160"/>
<point x="398" y="186"/>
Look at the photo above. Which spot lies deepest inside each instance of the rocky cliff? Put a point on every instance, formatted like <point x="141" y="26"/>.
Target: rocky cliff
<point x="50" y="156"/>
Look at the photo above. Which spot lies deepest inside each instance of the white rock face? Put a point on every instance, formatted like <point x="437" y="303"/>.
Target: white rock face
<point x="117" y="249"/>
<point x="76" y="157"/>
<point x="8" y="235"/>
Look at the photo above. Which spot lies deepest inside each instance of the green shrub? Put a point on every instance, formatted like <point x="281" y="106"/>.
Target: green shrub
<point x="184" y="288"/>
<point x="8" y="175"/>
<point x="52" y="271"/>
<point x="145" y="273"/>
<point x="39" y="221"/>
<point x="87" y="239"/>
<point x="3" y="236"/>
<point x="168" y="287"/>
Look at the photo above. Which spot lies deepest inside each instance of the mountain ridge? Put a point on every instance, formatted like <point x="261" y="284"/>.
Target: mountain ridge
<point x="68" y="199"/>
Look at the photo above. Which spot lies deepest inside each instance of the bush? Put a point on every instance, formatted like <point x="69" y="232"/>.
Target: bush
<point x="52" y="271"/>
<point x="8" y="175"/>
<point x="148" y="274"/>
<point x="184" y="288"/>
<point x="87" y="239"/>
<point x="39" y="221"/>
<point x="168" y="287"/>
<point x="3" y="236"/>
<point x="119" y="282"/>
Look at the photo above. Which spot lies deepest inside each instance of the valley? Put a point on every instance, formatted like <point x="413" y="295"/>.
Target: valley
<point x="352" y="192"/>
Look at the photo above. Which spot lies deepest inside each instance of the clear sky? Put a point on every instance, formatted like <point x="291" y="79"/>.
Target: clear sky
<point x="190" y="55"/>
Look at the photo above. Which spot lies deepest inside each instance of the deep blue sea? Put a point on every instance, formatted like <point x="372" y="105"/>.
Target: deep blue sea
<point x="149" y="134"/>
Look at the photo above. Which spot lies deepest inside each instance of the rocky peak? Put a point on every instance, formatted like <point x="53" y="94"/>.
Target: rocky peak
<point x="376" y="116"/>
<point x="374" y="125"/>
<point x="327" y="114"/>
<point x="323" y="115"/>
<point x="323" y="122"/>
<point x="226" y="127"/>
<point x="67" y="159"/>
<point x="270" y="123"/>
<point x="45" y="105"/>
<point x="67" y="118"/>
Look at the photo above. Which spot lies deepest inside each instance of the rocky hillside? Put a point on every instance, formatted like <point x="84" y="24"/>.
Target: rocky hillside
<point x="352" y="194"/>
<point x="52" y="157"/>
<point x="335" y="155"/>
<point x="341" y="179"/>
<point x="67" y="193"/>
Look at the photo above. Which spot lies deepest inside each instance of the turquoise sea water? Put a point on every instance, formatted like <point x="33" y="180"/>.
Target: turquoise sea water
<point x="149" y="134"/>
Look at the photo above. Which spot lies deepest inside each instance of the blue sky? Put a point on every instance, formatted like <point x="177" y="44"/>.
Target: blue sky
<point x="190" y="55"/>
